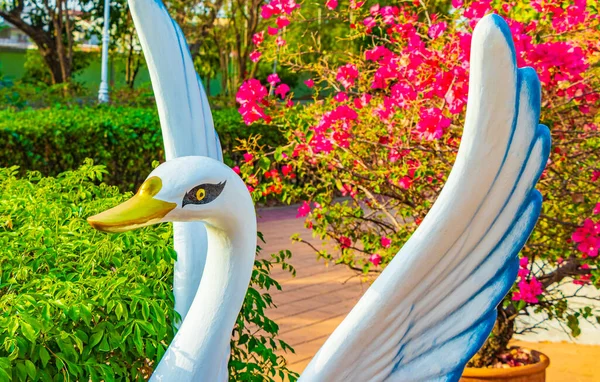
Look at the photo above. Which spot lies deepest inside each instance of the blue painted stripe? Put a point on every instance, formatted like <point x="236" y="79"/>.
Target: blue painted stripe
<point x="508" y="272"/>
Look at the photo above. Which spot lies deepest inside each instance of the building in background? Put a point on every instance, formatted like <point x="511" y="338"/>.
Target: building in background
<point x="13" y="38"/>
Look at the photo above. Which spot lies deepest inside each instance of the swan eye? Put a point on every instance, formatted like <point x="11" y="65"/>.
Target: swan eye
<point x="203" y="194"/>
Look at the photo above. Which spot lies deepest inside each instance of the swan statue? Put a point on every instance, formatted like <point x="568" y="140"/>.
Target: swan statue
<point x="434" y="305"/>
<point x="187" y="128"/>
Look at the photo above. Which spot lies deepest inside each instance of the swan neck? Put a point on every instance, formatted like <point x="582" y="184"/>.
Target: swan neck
<point x="200" y="349"/>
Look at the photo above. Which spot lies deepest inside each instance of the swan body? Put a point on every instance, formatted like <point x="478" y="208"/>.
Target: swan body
<point x="434" y="305"/>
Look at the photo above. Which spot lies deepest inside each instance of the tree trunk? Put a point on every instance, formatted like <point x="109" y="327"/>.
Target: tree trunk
<point x="497" y="342"/>
<point x="53" y="63"/>
<point x="46" y="41"/>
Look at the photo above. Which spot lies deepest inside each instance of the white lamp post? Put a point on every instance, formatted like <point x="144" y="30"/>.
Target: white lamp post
<point x="103" y="92"/>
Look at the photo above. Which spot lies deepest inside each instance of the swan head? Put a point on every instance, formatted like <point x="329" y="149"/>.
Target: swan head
<point x="183" y="189"/>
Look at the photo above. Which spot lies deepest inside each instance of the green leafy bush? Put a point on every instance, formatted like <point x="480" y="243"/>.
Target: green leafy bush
<point x="125" y="139"/>
<point x="77" y="304"/>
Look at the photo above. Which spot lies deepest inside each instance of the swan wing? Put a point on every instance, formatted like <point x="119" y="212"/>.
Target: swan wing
<point x="183" y="108"/>
<point x="187" y="126"/>
<point x="434" y="305"/>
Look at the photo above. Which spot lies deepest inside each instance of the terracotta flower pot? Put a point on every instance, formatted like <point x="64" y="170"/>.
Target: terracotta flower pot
<point x="530" y="373"/>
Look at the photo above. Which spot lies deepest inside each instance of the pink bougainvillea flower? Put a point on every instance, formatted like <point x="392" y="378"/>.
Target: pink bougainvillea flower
<point x="255" y="56"/>
<point x="303" y="210"/>
<point x="280" y="41"/>
<point x="249" y="95"/>
<point x="378" y="53"/>
<point x="273" y="79"/>
<point x="267" y="11"/>
<point x="331" y="4"/>
<point x="248" y="157"/>
<point x="385" y="242"/>
<point x="278" y="7"/>
<point x="589" y="247"/>
<point x="341" y="97"/>
<point x="369" y="22"/>
<point x="457" y="3"/>
<point x="252" y="112"/>
<point x="282" y="22"/>
<point x="362" y="101"/>
<point x="251" y="91"/>
<point x="272" y="31"/>
<point x="432" y="124"/>
<point x="477" y="9"/>
<point x="375" y="259"/>
<point x="258" y="38"/>
<point x="374" y="10"/>
<point x="286" y="169"/>
<point x="583" y="280"/>
<point x="347" y="75"/>
<point x="281" y="90"/>
<point x="345" y="242"/>
<point x="528" y="291"/>
<point x="523" y="272"/>
<point x="405" y="182"/>
<point x="595" y="175"/>
<point x="523" y="262"/>
<point x="236" y="169"/>
<point x="309" y="83"/>
<point x="588" y="237"/>
<point x="436" y="30"/>
<point x="596" y="210"/>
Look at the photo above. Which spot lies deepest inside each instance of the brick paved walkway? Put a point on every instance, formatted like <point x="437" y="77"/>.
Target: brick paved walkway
<point x="313" y="303"/>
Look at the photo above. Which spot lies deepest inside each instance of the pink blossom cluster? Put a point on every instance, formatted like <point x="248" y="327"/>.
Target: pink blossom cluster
<point x="347" y="75"/>
<point x="563" y="18"/>
<point x="303" y="210"/>
<point x="278" y="7"/>
<point x="251" y="95"/>
<point x="588" y="238"/>
<point x="529" y="289"/>
<point x="432" y="124"/>
<point x="334" y="127"/>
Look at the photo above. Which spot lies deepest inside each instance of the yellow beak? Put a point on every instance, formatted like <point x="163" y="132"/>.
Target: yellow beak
<point x="141" y="210"/>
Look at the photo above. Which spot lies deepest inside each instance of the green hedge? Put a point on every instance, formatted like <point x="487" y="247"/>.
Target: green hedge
<point x="124" y="139"/>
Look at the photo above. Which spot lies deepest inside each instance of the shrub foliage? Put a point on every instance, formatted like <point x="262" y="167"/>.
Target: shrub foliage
<point x="77" y="304"/>
<point x="124" y="139"/>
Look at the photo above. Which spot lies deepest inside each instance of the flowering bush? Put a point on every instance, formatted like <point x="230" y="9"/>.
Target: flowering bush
<point x="368" y="157"/>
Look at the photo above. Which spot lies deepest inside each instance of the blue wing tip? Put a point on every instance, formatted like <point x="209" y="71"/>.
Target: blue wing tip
<point x="497" y="22"/>
<point x="531" y="81"/>
<point x="543" y="134"/>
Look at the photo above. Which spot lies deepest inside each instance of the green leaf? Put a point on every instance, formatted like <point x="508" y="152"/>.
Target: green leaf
<point x="96" y="338"/>
<point x="28" y="331"/>
<point x="44" y="356"/>
<point x="31" y="370"/>
<point x="264" y="163"/>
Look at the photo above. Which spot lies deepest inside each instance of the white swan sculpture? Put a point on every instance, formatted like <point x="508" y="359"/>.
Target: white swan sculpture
<point x="187" y="128"/>
<point x="434" y="305"/>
